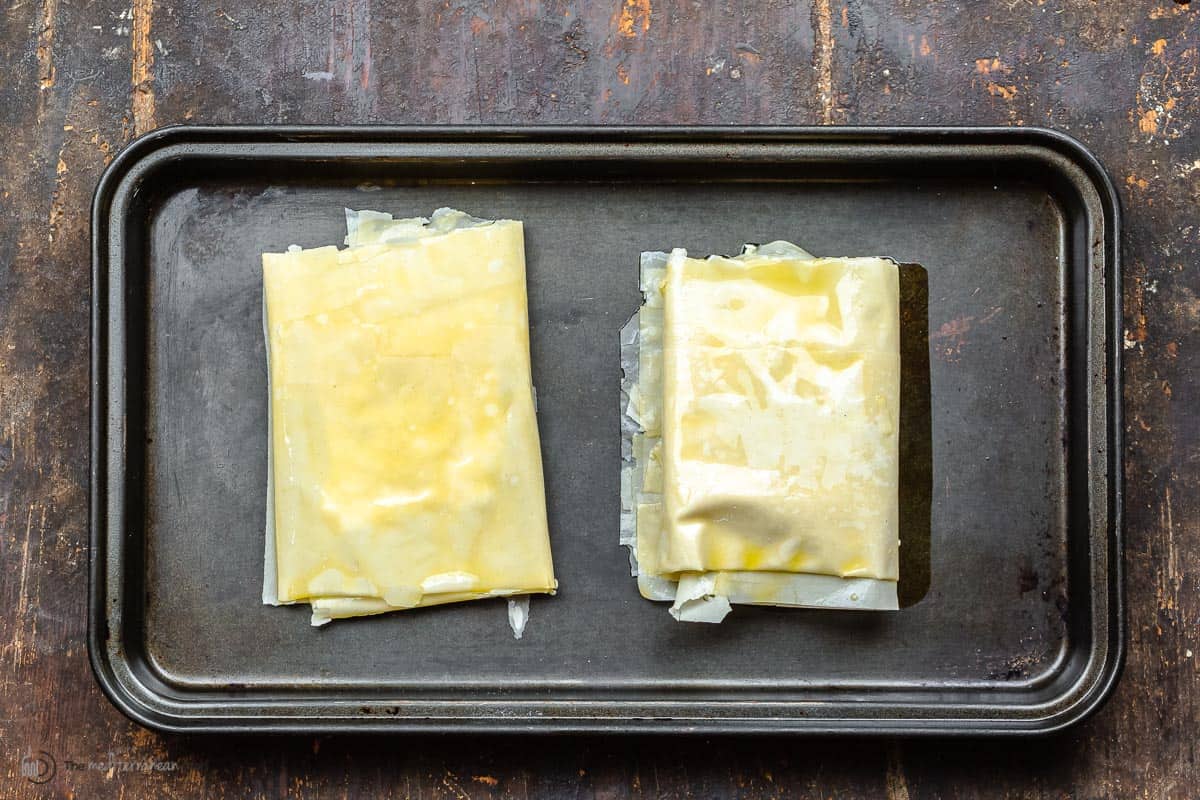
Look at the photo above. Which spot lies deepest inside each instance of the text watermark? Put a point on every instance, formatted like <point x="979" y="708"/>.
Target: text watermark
<point x="38" y="766"/>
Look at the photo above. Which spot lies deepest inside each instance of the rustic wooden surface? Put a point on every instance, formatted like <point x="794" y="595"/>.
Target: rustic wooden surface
<point x="79" y="79"/>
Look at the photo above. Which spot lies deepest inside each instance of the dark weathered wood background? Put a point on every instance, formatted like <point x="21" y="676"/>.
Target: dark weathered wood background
<point x="78" y="80"/>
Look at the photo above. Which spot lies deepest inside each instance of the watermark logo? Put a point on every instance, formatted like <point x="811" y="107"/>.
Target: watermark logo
<point x="38" y="767"/>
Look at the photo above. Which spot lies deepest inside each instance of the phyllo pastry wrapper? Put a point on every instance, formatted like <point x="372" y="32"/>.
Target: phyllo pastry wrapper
<point x="762" y="431"/>
<point x="405" y="467"/>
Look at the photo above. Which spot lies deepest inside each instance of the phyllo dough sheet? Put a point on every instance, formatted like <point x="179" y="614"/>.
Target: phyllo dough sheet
<point x="405" y="462"/>
<point x="763" y="428"/>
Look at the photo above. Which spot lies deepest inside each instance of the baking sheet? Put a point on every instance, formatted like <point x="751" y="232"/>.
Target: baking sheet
<point x="1018" y="627"/>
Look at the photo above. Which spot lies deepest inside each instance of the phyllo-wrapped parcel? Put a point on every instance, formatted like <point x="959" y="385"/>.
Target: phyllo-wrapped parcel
<point x="405" y="467"/>
<point x="763" y="428"/>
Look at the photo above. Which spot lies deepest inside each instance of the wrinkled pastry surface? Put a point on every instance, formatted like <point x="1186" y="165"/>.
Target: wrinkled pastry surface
<point x="780" y="416"/>
<point x="407" y="469"/>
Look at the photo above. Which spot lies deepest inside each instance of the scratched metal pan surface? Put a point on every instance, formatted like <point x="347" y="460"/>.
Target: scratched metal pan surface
<point x="1011" y="586"/>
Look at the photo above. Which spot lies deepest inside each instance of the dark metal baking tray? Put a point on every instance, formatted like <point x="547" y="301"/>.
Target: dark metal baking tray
<point x="1012" y="572"/>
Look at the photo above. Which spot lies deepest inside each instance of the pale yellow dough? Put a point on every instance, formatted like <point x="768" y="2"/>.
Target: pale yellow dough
<point x="780" y="423"/>
<point x="767" y="400"/>
<point x="405" y="454"/>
